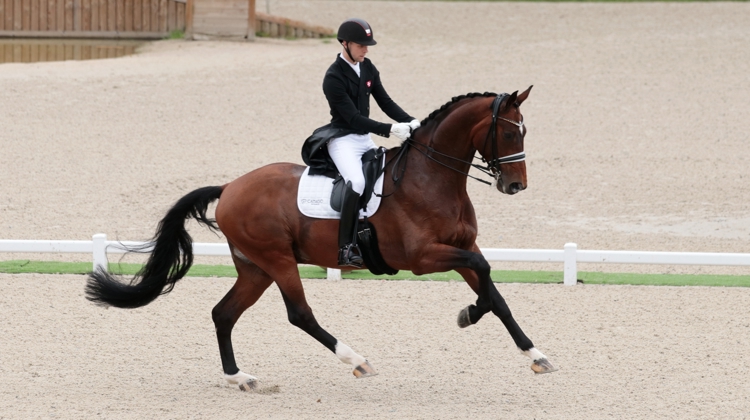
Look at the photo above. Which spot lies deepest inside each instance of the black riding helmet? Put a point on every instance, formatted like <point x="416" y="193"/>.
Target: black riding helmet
<point x="356" y="30"/>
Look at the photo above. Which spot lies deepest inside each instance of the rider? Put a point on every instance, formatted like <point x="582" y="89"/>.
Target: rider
<point x="348" y="85"/>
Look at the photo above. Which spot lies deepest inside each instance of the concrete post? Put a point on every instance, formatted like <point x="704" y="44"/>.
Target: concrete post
<point x="100" y="251"/>
<point x="570" y="270"/>
<point x="334" y="274"/>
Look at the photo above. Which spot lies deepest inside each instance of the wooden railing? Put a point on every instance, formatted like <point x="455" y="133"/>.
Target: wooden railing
<point x="144" y="19"/>
<point x="91" y="18"/>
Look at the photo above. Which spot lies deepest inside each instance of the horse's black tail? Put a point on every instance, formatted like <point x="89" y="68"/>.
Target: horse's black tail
<point x="170" y="259"/>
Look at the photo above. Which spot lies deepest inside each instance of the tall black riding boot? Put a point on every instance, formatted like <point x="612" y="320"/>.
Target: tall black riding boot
<point x="349" y="254"/>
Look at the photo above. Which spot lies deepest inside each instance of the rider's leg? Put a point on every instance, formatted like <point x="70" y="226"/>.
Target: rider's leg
<point x="349" y="254"/>
<point x="346" y="152"/>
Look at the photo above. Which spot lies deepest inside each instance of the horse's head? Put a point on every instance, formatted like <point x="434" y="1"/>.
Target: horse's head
<point x="499" y="139"/>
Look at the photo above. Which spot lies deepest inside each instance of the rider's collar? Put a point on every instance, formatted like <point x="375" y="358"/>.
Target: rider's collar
<point x="354" y="67"/>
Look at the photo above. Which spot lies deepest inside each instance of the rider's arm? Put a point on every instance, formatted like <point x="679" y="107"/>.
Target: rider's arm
<point x="340" y="102"/>
<point x="385" y="102"/>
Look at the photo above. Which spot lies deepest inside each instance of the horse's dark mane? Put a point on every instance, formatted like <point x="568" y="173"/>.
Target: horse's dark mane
<point x="453" y="100"/>
<point x="434" y="114"/>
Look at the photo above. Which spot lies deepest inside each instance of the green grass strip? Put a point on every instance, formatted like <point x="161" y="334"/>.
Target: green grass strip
<point x="312" y="272"/>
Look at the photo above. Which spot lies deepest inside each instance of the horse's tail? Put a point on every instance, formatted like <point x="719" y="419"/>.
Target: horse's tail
<point x="170" y="259"/>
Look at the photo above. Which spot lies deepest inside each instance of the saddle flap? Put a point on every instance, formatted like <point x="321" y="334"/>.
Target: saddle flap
<point x="372" y="168"/>
<point x="337" y="195"/>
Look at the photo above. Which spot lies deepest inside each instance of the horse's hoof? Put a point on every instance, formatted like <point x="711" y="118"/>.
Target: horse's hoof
<point x="243" y="380"/>
<point x="463" y="318"/>
<point x="249" y="385"/>
<point x="543" y="366"/>
<point x="364" y="370"/>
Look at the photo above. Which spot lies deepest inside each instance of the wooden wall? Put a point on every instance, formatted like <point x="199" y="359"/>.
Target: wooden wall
<point x="280" y="27"/>
<point x="91" y="18"/>
<point x="220" y="18"/>
<point x="238" y="19"/>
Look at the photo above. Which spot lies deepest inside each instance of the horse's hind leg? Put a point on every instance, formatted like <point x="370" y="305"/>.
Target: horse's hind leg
<point x="250" y="285"/>
<point x="300" y="315"/>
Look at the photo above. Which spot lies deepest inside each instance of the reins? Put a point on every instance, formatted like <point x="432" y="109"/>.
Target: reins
<point x="430" y="150"/>
<point x="395" y="176"/>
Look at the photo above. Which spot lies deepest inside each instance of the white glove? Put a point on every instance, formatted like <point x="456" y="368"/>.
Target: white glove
<point x="414" y="124"/>
<point x="401" y="130"/>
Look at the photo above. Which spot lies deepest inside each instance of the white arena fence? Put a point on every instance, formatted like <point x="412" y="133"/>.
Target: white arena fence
<point x="570" y="255"/>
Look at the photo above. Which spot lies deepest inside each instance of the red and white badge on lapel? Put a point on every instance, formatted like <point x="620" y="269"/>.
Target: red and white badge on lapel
<point x="369" y="83"/>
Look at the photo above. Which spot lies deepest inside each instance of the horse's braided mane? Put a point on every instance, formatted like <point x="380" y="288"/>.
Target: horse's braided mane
<point x="447" y="105"/>
<point x="453" y="100"/>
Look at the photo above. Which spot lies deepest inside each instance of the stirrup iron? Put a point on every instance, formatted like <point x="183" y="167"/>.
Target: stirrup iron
<point x="350" y="256"/>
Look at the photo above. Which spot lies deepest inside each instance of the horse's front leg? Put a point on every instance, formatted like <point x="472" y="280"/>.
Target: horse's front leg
<point x="476" y="271"/>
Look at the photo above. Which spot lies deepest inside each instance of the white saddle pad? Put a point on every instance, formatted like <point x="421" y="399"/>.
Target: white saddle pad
<point x="314" y="197"/>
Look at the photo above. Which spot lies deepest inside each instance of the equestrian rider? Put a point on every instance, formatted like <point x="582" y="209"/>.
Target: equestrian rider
<point x="348" y="85"/>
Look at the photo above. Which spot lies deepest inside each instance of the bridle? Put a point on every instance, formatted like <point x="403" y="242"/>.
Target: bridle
<point x="491" y="167"/>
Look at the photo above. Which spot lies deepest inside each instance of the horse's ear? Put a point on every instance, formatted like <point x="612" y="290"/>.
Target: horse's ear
<point x="511" y="101"/>
<point x="522" y="97"/>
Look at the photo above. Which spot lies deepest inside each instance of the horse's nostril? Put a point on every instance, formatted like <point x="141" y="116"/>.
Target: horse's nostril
<point x="516" y="187"/>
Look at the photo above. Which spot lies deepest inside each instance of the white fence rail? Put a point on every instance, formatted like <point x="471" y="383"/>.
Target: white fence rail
<point x="570" y="255"/>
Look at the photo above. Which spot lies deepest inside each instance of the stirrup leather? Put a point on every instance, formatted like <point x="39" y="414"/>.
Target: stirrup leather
<point x="350" y="256"/>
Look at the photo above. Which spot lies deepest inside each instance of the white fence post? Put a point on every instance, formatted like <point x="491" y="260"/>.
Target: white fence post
<point x="570" y="271"/>
<point x="100" y="251"/>
<point x="333" y="274"/>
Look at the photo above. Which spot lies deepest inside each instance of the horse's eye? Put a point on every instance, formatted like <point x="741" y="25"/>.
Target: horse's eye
<point x="508" y="136"/>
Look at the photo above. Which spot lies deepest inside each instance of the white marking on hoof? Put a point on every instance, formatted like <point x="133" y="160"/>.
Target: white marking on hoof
<point x="243" y="380"/>
<point x="347" y="355"/>
<point x="534" y="354"/>
<point x="541" y="364"/>
<point x="364" y="370"/>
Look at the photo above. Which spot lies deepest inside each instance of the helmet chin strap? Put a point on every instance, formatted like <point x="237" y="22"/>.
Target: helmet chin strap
<point x="349" y="53"/>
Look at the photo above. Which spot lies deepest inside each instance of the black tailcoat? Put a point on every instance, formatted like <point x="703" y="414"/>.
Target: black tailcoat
<point x="348" y="97"/>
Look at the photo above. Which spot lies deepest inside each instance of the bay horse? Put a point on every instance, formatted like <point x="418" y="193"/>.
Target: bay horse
<point x="427" y="224"/>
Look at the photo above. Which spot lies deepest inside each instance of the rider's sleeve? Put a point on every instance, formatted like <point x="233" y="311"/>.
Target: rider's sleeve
<point x="335" y="91"/>
<point x="385" y="102"/>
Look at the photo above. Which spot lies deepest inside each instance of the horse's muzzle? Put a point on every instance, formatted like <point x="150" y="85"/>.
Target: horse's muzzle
<point x="509" y="188"/>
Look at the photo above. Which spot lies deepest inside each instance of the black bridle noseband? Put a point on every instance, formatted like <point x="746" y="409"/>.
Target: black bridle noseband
<point x="492" y="167"/>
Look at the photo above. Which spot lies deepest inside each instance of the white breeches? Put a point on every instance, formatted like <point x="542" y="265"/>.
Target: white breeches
<point x="346" y="153"/>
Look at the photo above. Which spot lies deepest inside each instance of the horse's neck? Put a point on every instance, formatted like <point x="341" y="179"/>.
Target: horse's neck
<point x="448" y="144"/>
